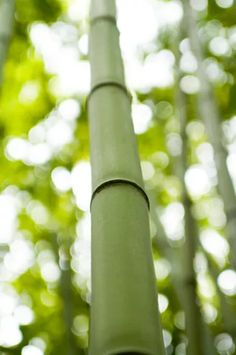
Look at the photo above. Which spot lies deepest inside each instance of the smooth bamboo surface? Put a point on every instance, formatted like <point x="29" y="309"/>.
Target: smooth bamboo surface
<point x="124" y="310"/>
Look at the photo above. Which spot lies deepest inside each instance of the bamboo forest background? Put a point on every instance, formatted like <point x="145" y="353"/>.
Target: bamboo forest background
<point x="180" y="64"/>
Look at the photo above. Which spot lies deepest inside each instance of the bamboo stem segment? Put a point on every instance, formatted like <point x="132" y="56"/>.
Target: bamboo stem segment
<point x="210" y="116"/>
<point x="124" y="310"/>
<point x="7" y="8"/>
<point x="194" y="321"/>
<point x="199" y="339"/>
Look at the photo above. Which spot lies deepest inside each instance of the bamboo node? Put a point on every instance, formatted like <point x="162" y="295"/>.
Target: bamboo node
<point x="109" y="83"/>
<point x="111" y="182"/>
<point x="108" y="18"/>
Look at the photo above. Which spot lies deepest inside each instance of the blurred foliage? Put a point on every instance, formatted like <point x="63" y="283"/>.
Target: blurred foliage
<point x="43" y="221"/>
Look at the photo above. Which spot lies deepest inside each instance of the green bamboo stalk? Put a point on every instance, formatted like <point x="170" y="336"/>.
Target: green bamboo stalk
<point x="124" y="311"/>
<point x="227" y="311"/>
<point x="61" y="245"/>
<point x="7" y="8"/>
<point x="200" y="342"/>
<point x="210" y="115"/>
<point x="66" y="293"/>
<point x="195" y="327"/>
<point x="184" y="284"/>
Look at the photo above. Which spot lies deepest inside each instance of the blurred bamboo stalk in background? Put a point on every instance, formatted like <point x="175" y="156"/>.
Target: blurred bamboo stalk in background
<point x="227" y="311"/>
<point x="196" y="330"/>
<point x="64" y="259"/>
<point x="194" y="322"/>
<point x="124" y="309"/>
<point x="182" y="257"/>
<point x="7" y="9"/>
<point x="200" y="341"/>
<point x="210" y="115"/>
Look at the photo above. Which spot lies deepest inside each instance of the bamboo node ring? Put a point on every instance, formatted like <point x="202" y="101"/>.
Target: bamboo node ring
<point x="111" y="182"/>
<point x="108" y="18"/>
<point x="109" y="83"/>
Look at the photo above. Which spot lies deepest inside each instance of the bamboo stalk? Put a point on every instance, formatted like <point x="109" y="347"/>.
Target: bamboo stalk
<point x="124" y="311"/>
<point x="184" y="285"/>
<point x="7" y="8"/>
<point x="227" y="311"/>
<point x="210" y="115"/>
<point x="66" y="293"/>
<point x="195" y="327"/>
<point x="194" y="321"/>
<point x="200" y="342"/>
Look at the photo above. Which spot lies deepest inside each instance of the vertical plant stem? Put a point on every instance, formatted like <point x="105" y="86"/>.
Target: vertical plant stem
<point x="199" y="339"/>
<point x="184" y="286"/>
<point x="124" y="311"/>
<point x="7" y="8"/>
<point x="227" y="310"/>
<point x="210" y="115"/>
<point x="66" y="292"/>
<point x="194" y="323"/>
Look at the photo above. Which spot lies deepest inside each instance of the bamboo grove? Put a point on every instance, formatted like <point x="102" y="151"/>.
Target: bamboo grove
<point x="139" y="98"/>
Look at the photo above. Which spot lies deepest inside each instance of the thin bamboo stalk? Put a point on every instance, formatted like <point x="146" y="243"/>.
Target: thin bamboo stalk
<point x="198" y="335"/>
<point x="193" y="315"/>
<point x="196" y="328"/>
<point x="124" y="311"/>
<point x="66" y="293"/>
<point x="210" y="115"/>
<point x="184" y="285"/>
<point x="7" y="8"/>
<point x="227" y="312"/>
